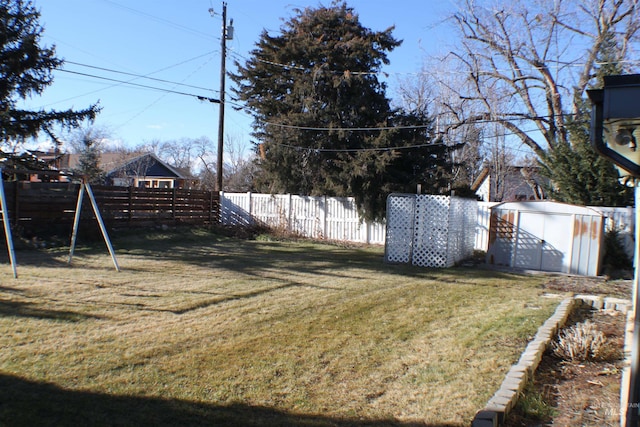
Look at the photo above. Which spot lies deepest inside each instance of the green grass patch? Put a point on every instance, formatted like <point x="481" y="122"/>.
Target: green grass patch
<point x="199" y="328"/>
<point x="534" y="406"/>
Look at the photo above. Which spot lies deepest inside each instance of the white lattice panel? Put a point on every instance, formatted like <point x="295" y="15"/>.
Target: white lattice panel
<point x="462" y="223"/>
<point x="431" y="231"/>
<point x="400" y="228"/>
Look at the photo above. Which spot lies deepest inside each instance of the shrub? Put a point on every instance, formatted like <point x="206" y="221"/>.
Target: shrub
<point x="615" y="257"/>
<point x="534" y="405"/>
<point x="581" y="342"/>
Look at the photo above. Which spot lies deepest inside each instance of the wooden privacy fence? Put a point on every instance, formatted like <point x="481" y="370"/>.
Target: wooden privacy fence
<point x="36" y="205"/>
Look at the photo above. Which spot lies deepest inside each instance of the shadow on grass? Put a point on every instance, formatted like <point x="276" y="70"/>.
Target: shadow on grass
<point x="255" y="257"/>
<point x="251" y="257"/>
<point x="28" y="403"/>
<point x="254" y="294"/>
<point x="25" y="309"/>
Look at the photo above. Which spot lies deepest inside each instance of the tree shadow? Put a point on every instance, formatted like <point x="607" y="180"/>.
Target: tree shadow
<point x="28" y="403"/>
<point x="26" y="309"/>
<point x="257" y="258"/>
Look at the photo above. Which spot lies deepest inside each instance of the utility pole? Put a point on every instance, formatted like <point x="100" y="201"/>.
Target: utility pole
<point x="227" y="34"/>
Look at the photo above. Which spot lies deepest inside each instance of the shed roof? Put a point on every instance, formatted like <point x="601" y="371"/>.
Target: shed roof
<point x="545" y="206"/>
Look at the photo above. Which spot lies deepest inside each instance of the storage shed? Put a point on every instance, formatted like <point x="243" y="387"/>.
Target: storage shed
<point x="546" y="236"/>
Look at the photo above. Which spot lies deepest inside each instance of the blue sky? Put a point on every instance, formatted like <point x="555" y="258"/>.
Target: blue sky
<point x="178" y="43"/>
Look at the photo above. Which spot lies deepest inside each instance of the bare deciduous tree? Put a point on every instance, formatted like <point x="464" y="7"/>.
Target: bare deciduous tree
<point x="240" y="168"/>
<point x="182" y="153"/>
<point x="431" y="95"/>
<point x="526" y="64"/>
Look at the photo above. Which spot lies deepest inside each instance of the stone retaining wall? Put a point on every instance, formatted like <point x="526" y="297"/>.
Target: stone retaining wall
<point x="505" y="398"/>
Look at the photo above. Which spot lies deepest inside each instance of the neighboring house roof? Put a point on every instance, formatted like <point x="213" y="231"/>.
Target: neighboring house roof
<point x="147" y="164"/>
<point x="518" y="183"/>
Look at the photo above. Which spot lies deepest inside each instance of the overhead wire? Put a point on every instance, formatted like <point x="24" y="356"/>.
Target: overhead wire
<point x="309" y="128"/>
<point x="430" y="144"/>
<point x="130" y="83"/>
<point x="161" y="97"/>
<point x="140" y="76"/>
<point x="158" y="19"/>
<point x="237" y="55"/>
<point x="147" y="76"/>
<point x="381" y="128"/>
<point x="418" y="73"/>
<point x="291" y="66"/>
<point x="137" y="76"/>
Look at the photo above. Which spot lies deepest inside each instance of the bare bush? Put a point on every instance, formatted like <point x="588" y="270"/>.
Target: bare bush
<point x="580" y="342"/>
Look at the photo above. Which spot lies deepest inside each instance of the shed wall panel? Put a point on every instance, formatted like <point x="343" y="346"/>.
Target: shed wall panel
<point x="538" y="237"/>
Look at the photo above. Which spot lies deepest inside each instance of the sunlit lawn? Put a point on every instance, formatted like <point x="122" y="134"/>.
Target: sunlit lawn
<point x="200" y="329"/>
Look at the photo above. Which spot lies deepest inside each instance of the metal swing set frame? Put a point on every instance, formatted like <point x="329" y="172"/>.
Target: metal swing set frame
<point x="85" y="187"/>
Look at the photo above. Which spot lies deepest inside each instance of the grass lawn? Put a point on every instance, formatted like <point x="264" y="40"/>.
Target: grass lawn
<point x="201" y="329"/>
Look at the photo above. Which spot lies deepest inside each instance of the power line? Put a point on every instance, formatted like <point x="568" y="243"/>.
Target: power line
<point x="158" y="19"/>
<point x="359" y="129"/>
<point x="383" y="149"/>
<point x="418" y="73"/>
<point x="132" y="74"/>
<point x="381" y="128"/>
<point x="158" y="100"/>
<point x="200" y="97"/>
<point x="140" y="76"/>
<point x="357" y="150"/>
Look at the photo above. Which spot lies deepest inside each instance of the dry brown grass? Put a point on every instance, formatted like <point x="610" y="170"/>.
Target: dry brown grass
<point x="203" y="329"/>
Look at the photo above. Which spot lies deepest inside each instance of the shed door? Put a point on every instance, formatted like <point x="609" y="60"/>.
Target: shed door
<point x="543" y="241"/>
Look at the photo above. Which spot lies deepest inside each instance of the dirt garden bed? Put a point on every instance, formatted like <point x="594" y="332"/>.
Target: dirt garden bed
<point x="579" y="393"/>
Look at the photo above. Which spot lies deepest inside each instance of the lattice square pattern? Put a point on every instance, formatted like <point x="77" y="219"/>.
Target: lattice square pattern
<point x="400" y="228"/>
<point x="430" y="231"/>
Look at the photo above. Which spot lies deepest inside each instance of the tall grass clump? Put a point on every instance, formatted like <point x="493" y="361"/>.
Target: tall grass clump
<point x="581" y="342"/>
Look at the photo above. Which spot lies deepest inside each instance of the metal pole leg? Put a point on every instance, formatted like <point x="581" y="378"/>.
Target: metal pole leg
<point x="103" y="229"/>
<point x="7" y="228"/>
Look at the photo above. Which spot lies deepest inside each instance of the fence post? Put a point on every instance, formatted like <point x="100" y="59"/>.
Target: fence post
<point x="7" y="227"/>
<point x="16" y="203"/>
<point x="173" y="203"/>
<point x="130" y="202"/>
<point x="211" y="207"/>
<point x="289" y="207"/>
<point x="325" y="230"/>
<point x="368" y="232"/>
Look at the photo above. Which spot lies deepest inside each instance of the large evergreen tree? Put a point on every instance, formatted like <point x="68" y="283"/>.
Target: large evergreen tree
<point x="87" y="142"/>
<point x="578" y="174"/>
<point x="26" y="70"/>
<point x="322" y="121"/>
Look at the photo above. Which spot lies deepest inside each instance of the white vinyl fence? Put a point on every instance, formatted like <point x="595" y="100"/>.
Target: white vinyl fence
<point x="482" y="227"/>
<point x="336" y="218"/>
<point x="331" y="218"/>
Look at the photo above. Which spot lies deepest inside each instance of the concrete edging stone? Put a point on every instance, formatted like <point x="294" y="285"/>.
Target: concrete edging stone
<point x="505" y="398"/>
